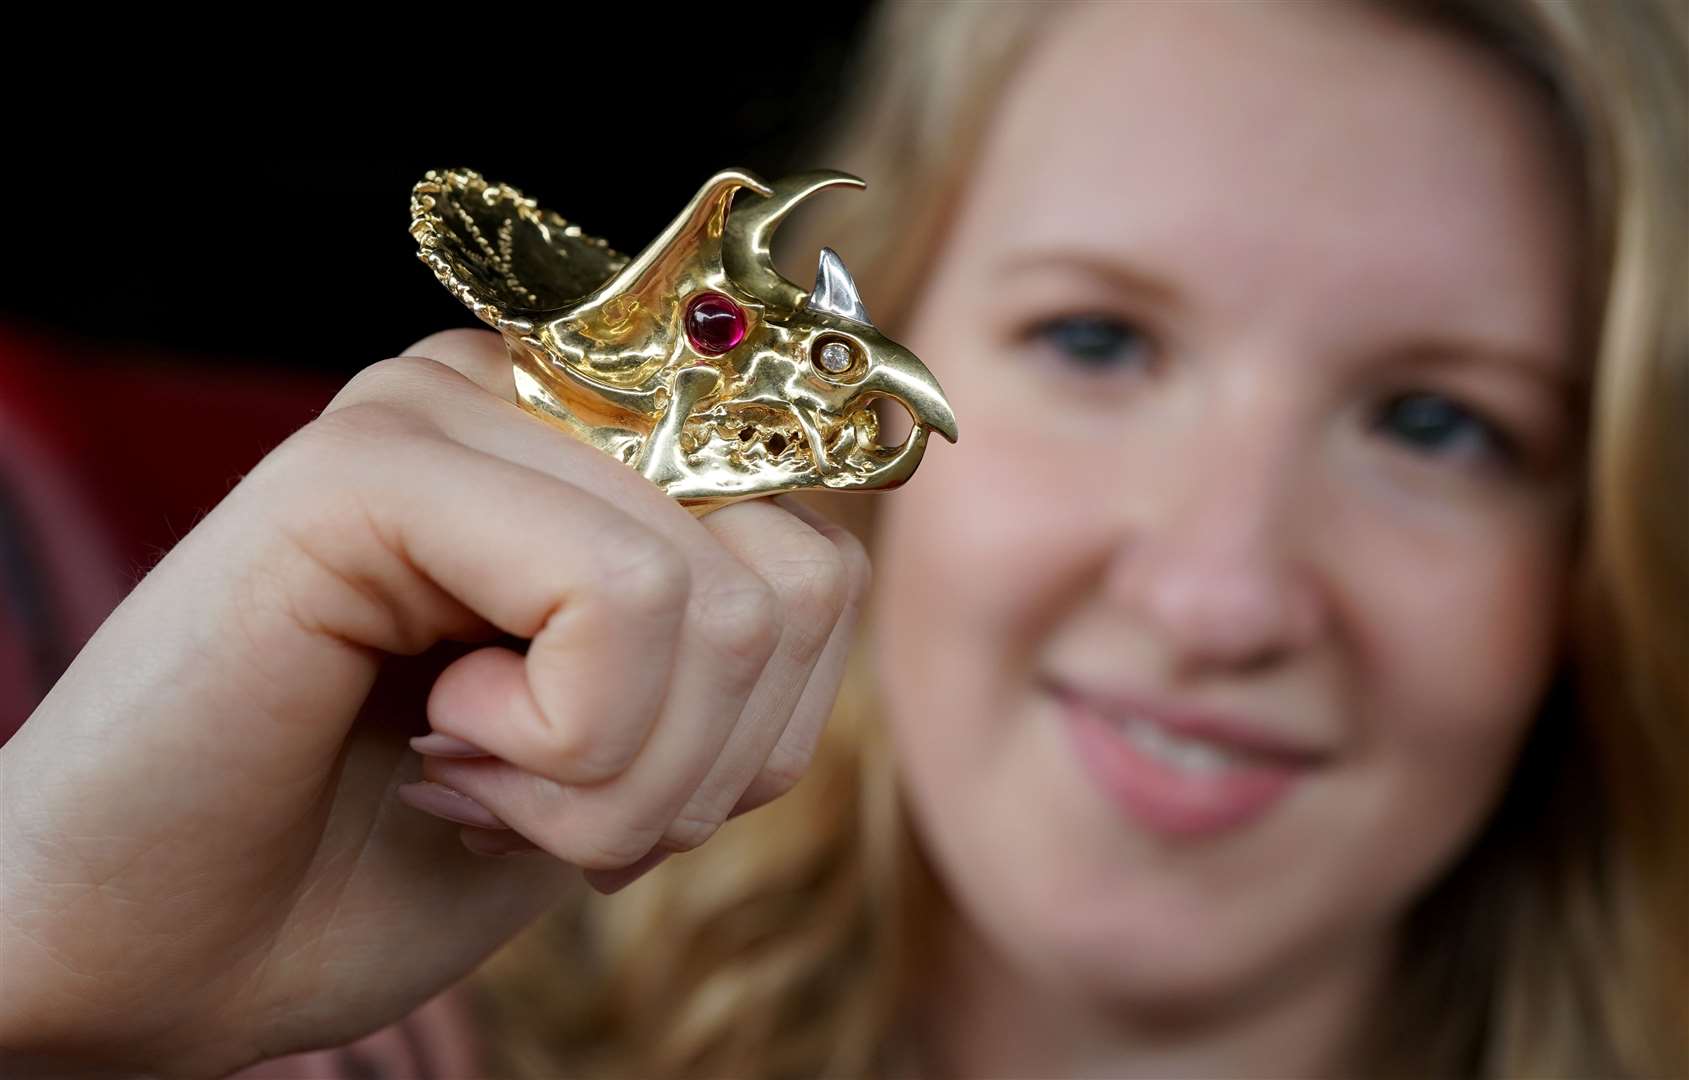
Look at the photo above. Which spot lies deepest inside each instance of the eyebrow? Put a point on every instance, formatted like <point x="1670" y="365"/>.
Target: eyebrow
<point x="1530" y="363"/>
<point x="1119" y="274"/>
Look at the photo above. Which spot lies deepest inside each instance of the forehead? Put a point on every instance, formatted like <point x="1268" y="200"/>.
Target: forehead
<point x="1227" y="143"/>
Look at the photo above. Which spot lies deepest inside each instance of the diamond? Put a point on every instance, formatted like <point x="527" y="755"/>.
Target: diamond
<point x="834" y="357"/>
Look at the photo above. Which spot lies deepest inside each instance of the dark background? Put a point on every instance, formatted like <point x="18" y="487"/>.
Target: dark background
<point x="240" y="200"/>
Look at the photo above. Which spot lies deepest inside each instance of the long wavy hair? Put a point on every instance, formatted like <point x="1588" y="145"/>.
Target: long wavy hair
<point x="791" y="945"/>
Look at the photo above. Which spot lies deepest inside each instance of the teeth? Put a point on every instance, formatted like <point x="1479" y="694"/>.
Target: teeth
<point x="1186" y="755"/>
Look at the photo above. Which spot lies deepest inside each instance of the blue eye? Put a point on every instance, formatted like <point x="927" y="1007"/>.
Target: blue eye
<point x="1439" y="424"/>
<point x="1092" y="342"/>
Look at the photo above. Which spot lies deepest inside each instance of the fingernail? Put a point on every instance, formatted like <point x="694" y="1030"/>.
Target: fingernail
<point x="448" y="803"/>
<point x="436" y="744"/>
<point x="508" y="842"/>
<point x="610" y="881"/>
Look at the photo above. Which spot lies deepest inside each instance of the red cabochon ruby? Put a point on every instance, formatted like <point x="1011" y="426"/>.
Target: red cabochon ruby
<point x="714" y="323"/>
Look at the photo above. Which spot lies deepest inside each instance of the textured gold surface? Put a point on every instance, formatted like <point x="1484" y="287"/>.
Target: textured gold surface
<point x="600" y="349"/>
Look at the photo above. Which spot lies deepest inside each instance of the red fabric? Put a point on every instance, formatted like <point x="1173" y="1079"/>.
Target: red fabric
<point x="108" y="456"/>
<point x="155" y="438"/>
<point x="61" y="572"/>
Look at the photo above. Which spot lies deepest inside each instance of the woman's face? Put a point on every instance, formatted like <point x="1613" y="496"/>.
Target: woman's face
<point x="1256" y="320"/>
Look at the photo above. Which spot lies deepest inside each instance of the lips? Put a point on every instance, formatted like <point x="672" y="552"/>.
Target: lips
<point x="1181" y="774"/>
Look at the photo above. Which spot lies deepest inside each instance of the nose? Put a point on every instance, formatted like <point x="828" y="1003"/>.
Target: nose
<point x="1214" y="555"/>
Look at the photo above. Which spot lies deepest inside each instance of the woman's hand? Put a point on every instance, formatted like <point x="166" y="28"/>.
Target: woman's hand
<point x="205" y="863"/>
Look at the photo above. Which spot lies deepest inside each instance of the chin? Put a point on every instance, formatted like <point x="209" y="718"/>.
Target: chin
<point x="1151" y="978"/>
<point x="1150" y="959"/>
<point x="1107" y="942"/>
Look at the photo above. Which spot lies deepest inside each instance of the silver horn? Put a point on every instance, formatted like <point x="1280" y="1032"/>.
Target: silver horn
<point x="835" y="292"/>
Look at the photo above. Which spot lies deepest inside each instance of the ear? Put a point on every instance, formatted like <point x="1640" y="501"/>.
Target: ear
<point x="637" y="302"/>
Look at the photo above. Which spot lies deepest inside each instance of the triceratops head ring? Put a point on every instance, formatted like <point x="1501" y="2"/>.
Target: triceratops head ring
<point x="696" y="363"/>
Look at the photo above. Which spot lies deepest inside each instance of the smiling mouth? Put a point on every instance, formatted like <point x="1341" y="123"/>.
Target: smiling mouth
<point x="1180" y="785"/>
<point x="1192" y="735"/>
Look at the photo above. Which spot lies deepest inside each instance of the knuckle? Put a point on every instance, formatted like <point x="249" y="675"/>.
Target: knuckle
<point x="643" y="573"/>
<point x="859" y="568"/>
<point x="362" y="421"/>
<point x="605" y="848"/>
<point x="580" y="742"/>
<point x="781" y="774"/>
<point x="741" y="618"/>
<point x="776" y="779"/>
<point x="687" y="833"/>
<point x="454" y="340"/>
<point x="324" y="448"/>
<point x="818" y="590"/>
<point x="578" y="754"/>
<point x="849" y="548"/>
<point x="631" y="608"/>
<point x="395" y="379"/>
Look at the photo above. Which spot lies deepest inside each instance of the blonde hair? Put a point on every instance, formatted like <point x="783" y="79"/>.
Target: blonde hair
<point x="791" y="944"/>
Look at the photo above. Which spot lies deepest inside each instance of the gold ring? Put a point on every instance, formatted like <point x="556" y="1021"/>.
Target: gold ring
<point x="696" y="363"/>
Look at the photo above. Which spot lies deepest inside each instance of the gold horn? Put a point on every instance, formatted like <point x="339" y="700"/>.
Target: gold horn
<point x="746" y="250"/>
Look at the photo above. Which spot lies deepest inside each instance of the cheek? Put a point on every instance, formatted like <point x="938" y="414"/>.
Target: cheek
<point x="981" y="553"/>
<point x="1464" y="627"/>
<point x="1454" y="637"/>
<point x="962" y="577"/>
<point x="975" y="558"/>
<point x="987" y="550"/>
